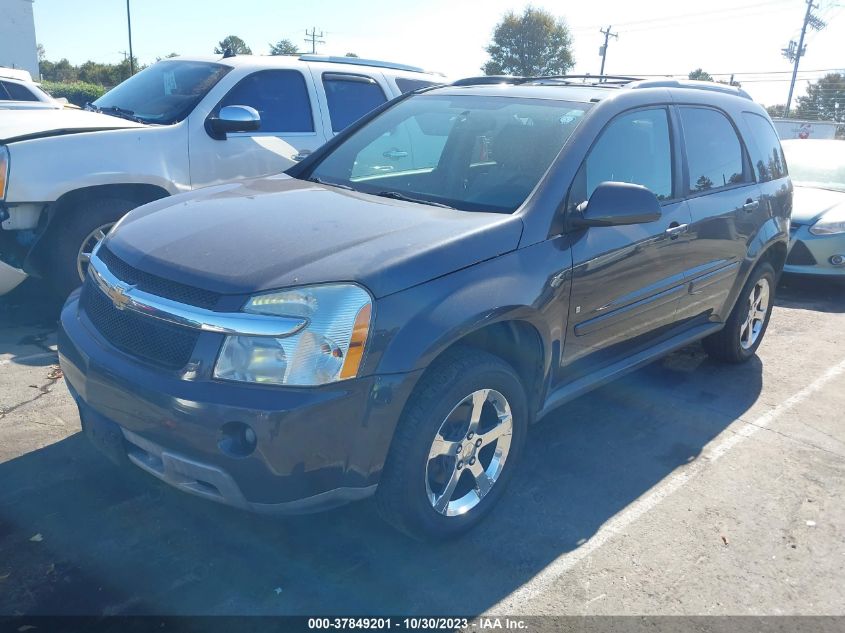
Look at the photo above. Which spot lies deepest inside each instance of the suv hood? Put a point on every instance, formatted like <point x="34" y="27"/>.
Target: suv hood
<point x="21" y="125"/>
<point x="808" y="203"/>
<point x="276" y="232"/>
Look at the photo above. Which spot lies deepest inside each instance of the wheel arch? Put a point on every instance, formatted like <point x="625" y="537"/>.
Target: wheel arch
<point x="70" y="202"/>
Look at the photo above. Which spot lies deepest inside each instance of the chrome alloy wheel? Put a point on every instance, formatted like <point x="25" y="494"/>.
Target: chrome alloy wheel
<point x="758" y="307"/>
<point x="469" y="452"/>
<point x="87" y="248"/>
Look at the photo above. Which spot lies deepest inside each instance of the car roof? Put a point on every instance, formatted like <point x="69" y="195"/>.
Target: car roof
<point x="588" y="89"/>
<point x="349" y="64"/>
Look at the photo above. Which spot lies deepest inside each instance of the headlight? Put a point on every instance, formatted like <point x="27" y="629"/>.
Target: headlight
<point x="830" y="223"/>
<point x="328" y="349"/>
<point x="4" y="171"/>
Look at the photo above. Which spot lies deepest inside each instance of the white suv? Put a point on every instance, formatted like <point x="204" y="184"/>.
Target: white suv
<point x="18" y="91"/>
<point x="66" y="177"/>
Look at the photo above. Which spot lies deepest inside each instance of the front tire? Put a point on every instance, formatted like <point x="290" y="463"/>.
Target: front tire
<point x="456" y="446"/>
<point x="75" y="235"/>
<point x="747" y="323"/>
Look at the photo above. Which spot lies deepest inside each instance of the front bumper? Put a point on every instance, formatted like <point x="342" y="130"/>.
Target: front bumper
<point x="317" y="447"/>
<point x="10" y="277"/>
<point x="810" y="254"/>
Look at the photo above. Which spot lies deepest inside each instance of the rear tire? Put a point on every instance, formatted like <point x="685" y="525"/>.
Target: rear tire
<point x="75" y="231"/>
<point x="436" y="450"/>
<point x="747" y="323"/>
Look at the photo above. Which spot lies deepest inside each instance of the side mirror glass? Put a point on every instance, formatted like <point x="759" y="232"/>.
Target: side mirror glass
<point x="233" y="118"/>
<point x="618" y="204"/>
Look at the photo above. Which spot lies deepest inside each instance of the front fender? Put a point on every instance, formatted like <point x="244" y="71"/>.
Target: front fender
<point x="44" y="169"/>
<point x="415" y="326"/>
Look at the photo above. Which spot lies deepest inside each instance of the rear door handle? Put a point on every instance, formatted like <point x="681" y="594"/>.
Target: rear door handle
<point x="751" y="205"/>
<point x="675" y="230"/>
<point x="302" y="154"/>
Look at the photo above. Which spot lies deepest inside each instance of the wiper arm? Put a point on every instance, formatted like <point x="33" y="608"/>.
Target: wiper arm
<point x="121" y="113"/>
<point x="320" y="181"/>
<point x="395" y="195"/>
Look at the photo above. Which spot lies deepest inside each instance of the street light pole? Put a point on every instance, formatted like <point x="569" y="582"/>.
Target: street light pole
<point x="129" y="26"/>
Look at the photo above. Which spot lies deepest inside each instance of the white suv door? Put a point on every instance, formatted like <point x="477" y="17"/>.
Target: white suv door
<point x="348" y="94"/>
<point x="287" y="103"/>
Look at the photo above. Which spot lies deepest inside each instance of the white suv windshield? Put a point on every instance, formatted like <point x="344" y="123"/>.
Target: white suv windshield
<point x="165" y="92"/>
<point x="476" y="153"/>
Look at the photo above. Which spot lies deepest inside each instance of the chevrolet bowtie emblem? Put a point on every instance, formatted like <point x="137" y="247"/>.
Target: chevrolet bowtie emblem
<point x="119" y="295"/>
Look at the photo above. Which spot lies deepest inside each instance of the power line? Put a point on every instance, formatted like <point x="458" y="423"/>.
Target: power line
<point x="603" y="49"/>
<point x="313" y="38"/>
<point x="718" y="12"/>
<point x="794" y="53"/>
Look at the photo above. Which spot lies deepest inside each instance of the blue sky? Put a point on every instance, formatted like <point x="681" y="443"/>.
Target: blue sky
<point x="655" y="36"/>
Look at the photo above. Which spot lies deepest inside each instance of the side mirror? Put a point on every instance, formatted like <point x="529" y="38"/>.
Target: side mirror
<point x="617" y="204"/>
<point x="233" y="118"/>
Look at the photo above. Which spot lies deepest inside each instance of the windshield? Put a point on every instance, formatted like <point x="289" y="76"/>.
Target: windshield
<point x="816" y="163"/>
<point x="165" y="92"/>
<point x="475" y="153"/>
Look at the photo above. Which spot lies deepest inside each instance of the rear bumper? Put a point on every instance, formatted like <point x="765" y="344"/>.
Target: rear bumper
<point x="316" y="447"/>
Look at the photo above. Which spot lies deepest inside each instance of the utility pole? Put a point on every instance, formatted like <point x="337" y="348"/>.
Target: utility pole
<point x="603" y="49"/>
<point x="129" y="25"/>
<point x="312" y="37"/>
<point x="794" y="53"/>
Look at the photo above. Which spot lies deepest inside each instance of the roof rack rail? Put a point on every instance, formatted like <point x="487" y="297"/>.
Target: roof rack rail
<point x="360" y="61"/>
<point x="587" y="80"/>
<point x="487" y="80"/>
<point x="693" y="85"/>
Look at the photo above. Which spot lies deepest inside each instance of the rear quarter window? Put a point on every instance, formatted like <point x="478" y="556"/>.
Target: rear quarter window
<point x="766" y="152"/>
<point x="714" y="152"/>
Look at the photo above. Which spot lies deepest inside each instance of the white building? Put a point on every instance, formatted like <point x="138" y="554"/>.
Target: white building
<point x="17" y="36"/>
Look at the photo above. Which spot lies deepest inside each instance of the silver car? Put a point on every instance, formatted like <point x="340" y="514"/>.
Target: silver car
<point x="817" y="235"/>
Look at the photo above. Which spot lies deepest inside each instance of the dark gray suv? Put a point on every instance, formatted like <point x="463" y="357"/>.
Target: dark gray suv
<point x="392" y="314"/>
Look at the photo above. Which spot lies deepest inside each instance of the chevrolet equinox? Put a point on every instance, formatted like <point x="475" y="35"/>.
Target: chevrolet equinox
<point x="390" y="315"/>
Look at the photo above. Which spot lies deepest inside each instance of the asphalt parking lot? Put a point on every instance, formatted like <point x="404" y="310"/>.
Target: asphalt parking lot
<point x="686" y="488"/>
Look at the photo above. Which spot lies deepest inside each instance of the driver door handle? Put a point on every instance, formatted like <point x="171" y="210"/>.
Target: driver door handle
<point x="751" y="205"/>
<point x="675" y="230"/>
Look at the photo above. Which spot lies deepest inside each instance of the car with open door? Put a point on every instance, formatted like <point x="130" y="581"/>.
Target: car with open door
<point x="391" y="315"/>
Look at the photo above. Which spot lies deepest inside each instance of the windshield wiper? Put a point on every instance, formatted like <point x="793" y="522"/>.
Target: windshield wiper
<point x="121" y="113"/>
<point x="320" y="181"/>
<point x="395" y="195"/>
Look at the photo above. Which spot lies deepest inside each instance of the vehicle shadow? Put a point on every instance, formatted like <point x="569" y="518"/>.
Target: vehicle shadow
<point x="117" y="541"/>
<point x="811" y="293"/>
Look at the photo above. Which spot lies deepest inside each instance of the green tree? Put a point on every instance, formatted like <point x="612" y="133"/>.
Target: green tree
<point x="168" y="56"/>
<point x="39" y="48"/>
<point x="532" y="44"/>
<point x="820" y="102"/>
<point x="284" y="47"/>
<point x="61" y="70"/>
<point x="699" y="75"/>
<point x="776" y="110"/>
<point x="233" y="45"/>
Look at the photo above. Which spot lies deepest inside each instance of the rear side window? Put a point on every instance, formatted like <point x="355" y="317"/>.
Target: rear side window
<point x="409" y="85"/>
<point x="766" y="152"/>
<point x="17" y="92"/>
<point x="714" y="153"/>
<point x="281" y="98"/>
<point x="635" y="148"/>
<point x="350" y="97"/>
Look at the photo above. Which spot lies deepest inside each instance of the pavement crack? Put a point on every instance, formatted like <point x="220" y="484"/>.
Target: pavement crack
<point x="43" y="390"/>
